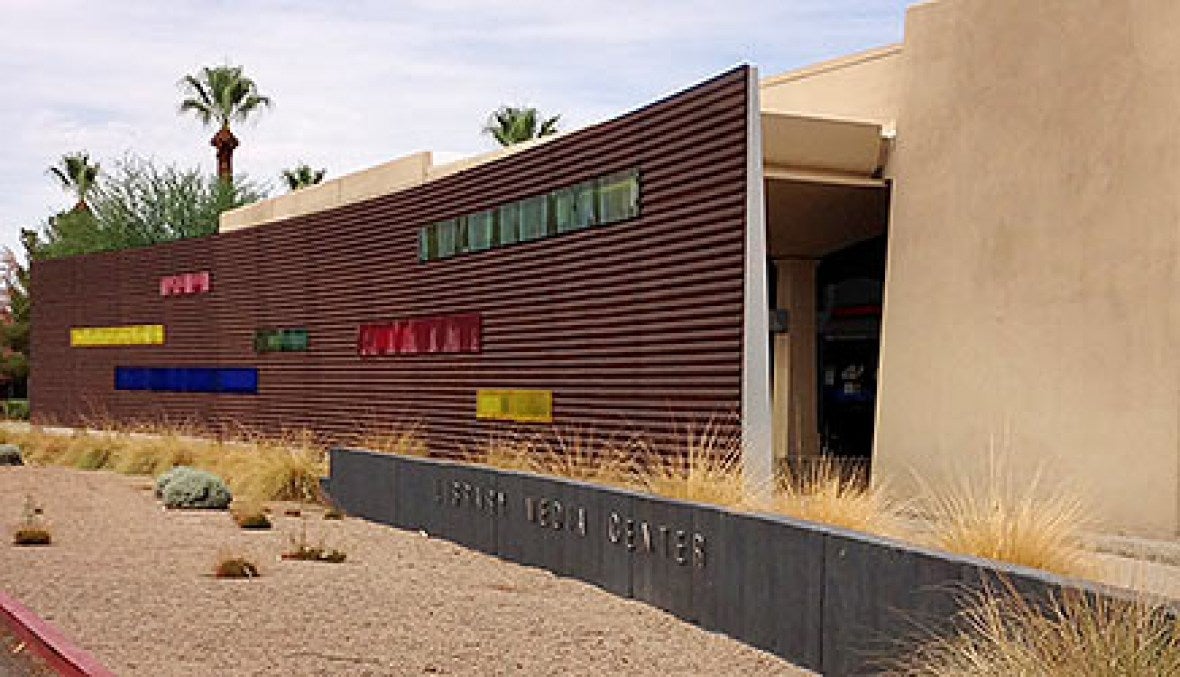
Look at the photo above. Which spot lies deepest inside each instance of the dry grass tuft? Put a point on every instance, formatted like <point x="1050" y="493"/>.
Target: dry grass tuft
<point x="31" y="536"/>
<point x="707" y="469"/>
<point x="32" y="529"/>
<point x="229" y="566"/>
<point x="405" y="439"/>
<point x="249" y="516"/>
<point x="1010" y="519"/>
<point x="1073" y="633"/>
<point x="574" y="455"/>
<point x="827" y="491"/>
<point x="257" y="468"/>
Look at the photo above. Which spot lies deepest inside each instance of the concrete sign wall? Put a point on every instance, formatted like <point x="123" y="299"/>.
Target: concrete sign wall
<point x="829" y="600"/>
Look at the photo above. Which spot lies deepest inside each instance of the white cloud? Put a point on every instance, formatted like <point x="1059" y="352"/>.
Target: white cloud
<point x="359" y="82"/>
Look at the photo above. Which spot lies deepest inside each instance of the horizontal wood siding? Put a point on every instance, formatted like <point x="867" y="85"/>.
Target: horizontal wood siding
<point x="635" y="327"/>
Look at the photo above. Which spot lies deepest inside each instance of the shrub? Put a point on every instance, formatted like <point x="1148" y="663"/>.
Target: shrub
<point x="10" y="455"/>
<point x="196" y="489"/>
<point x="31" y="536"/>
<point x="163" y="480"/>
<point x="1072" y="633"/>
<point x="235" y="567"/>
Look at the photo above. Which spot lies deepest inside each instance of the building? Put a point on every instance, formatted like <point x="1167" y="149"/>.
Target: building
<point x="935" y="253"/>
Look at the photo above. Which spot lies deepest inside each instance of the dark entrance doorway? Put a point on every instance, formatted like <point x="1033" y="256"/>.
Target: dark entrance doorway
<point x="850" y="287"/>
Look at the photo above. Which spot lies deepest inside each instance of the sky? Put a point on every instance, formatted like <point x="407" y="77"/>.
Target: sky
<point x="360" y="82"/>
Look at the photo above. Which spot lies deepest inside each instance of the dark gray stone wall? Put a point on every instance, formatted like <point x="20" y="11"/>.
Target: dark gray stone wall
<point x="833" y="601"/>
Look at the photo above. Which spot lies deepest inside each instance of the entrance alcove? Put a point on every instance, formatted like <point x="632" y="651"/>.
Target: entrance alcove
<point x="827" y="212"/>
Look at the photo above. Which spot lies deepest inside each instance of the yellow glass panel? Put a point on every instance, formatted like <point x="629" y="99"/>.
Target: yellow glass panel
<point x="522" y="406"/>
<point x="130" y="335"/>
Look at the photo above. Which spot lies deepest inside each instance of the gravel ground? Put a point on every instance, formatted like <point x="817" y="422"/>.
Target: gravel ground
<point x="130" y="582"/>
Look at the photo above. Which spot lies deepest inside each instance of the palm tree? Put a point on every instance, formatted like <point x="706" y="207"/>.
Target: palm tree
<point x="512" y="124"/>
<point x="302" y="176"/>
<point x="218" y="96"/>
<point x="76" y="175"/>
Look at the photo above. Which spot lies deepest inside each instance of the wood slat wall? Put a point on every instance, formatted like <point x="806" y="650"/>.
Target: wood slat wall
<point x="635" y="327"/>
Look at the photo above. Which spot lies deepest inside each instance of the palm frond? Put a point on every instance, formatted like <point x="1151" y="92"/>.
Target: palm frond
<point x="510" y="125"/>
<point x="221" y="94"/>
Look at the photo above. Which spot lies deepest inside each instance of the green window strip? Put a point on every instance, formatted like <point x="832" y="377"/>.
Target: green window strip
<point x="602" y="201"/>
<point x="280" y="340"/>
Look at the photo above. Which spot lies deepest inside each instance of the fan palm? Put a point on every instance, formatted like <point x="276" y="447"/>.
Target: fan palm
<point x="76" y="175"/>
<point x="514" y="124"/>
<point x="302" y="176"/>
<point x="217" y="96"/>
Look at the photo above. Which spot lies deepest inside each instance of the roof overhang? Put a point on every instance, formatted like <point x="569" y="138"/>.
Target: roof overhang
<point x="822" y="150"/>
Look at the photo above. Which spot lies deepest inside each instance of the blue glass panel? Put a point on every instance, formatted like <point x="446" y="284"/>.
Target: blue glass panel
<point x="238" y="381"/>
<point x="131" y="378"/>
<point x="187" y="379"/>
<point x="200" y="380"/>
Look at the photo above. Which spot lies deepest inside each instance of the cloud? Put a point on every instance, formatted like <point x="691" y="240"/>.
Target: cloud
<point x="359" y="82"/>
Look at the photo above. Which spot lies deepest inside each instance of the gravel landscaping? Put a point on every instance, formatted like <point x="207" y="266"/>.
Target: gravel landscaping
<point x="131" y="582"/>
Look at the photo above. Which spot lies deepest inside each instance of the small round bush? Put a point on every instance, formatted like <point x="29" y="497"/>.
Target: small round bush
<point x="171" y="474"/>
<point x="197" y="489"/>
<point x="10" y="455"/>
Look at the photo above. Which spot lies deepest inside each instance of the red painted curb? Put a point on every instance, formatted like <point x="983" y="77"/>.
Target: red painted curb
<point x="48" y="642"/>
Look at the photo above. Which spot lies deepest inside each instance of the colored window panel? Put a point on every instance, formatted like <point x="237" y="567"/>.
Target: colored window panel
<point x="428" y="243"/>
<point x="534" y="218"/>
<point x="185" y="284"/>
<point x="448" y="238"/>
<point x="618" y="197"/>
<point x="446" y="334"/>
<point x="132" y="335"/>
<point x="521" y="406"/>
<point x="508" y="231"/>
<point x="604" y="200"/>
<point x="187" y="379"/>
<point x="280" y="340"/>
<point x="481" y="230"/>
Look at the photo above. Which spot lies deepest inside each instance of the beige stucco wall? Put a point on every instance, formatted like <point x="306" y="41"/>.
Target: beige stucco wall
<point x="383" y="179"/>
<point x="863" y="86"/>
<point x="1032" y="291"/>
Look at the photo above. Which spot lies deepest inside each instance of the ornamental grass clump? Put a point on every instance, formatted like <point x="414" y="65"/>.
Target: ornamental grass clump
<point x="405" y="439"/>
<point x="572" y="454"/>
<point x="707" y="469"/>
<point x="827" y="491"/>
<point x="1003" y="633"/>
<point x="1011" y="518"/>
<point x="196" y="489"/>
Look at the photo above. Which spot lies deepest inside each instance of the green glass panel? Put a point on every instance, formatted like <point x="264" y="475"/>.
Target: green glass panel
<point x="534" y="218"/>
<point x="428" y="243"/>
<point x="508" y="231"/>
<point x="294" y="340"/>
<point x="481" y="230"/>
<point x="447" y="238"/>
<point x="618" y="197"/>
<point x="280" y="340"/>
